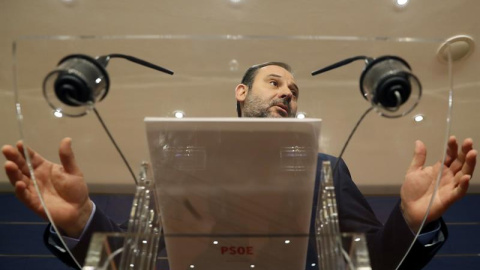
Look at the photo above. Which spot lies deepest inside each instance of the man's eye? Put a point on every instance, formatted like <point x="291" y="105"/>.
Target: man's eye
<point x="274" y="83"/>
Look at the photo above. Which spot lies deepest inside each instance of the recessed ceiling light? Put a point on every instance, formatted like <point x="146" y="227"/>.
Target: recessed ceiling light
<point x="419" y="118"/>
<point x="58" y="113"/>
<point x="68" y="2"/>
<point x="233" y="65"/>
<point x="301" y="115"/>
<point x="178" y="114"/>
<point x="401" y="3"/>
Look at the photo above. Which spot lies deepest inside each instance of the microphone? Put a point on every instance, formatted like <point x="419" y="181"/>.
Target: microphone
<point x="80" y="81"/>
<point x="387" y="82"/>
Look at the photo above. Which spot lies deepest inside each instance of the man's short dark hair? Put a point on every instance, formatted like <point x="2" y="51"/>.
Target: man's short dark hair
<point x="252" y="71"/>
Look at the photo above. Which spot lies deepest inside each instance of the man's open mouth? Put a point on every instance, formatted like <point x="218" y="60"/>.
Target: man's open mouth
<point x="283" y="107"/>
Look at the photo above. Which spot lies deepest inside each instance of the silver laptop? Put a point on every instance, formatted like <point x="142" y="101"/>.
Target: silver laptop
<point x="234" y="193"/>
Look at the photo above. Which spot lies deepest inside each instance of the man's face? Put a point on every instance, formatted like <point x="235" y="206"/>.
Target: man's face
<point x="273" y="94"/>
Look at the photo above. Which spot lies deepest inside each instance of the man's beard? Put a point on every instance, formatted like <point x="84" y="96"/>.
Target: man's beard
<point x="256" y="107"/>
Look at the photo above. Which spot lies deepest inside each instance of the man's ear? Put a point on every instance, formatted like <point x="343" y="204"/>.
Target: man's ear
<point x="241" y="92"/>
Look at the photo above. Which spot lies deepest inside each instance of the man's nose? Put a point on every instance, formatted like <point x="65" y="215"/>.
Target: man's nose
<point x="286" y="93"/>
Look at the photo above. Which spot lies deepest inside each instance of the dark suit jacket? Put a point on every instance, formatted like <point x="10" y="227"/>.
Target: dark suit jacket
<point x="387" y="243"/>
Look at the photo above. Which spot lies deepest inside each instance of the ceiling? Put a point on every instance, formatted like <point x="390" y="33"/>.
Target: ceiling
<point x="209" y="44"/>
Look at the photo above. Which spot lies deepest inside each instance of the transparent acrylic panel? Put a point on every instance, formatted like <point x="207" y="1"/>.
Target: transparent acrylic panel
<point x="238" y="179"/>
<point x="106" y="248"/>
<point x="106" y="251"/>
<point x="207" y="70"/>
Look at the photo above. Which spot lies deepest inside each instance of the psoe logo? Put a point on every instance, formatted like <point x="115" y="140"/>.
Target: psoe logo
<point x="236" y="250"/>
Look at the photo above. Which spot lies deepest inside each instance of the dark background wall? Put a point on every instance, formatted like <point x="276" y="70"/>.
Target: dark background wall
<point x="21" y="244"/>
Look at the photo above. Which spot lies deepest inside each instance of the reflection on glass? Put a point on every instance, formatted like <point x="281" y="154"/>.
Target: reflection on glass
<point x="186" y="158"/>
<point x="295" y="158"/>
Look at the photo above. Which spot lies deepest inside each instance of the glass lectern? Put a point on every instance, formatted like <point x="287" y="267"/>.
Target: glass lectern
<point x="206" y="71"/>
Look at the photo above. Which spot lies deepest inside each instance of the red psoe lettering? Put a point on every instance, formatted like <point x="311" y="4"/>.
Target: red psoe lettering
<point x="236" y="250"/>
